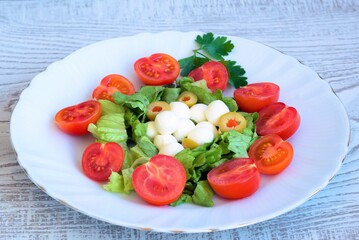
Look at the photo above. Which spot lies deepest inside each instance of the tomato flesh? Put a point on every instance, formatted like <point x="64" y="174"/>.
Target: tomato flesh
<point x="215" y="74"/>
<point x="99" y="160"/>
<point x="277" y="118"/>
<point x="160" y="181"/>
<point x="255" y="96"/>
<point x="271" y="154"/>
<point x="75" y="119"/>
<point x="157" y="69"/>
<point x="235" y="179"/>
<point x="113" y="83"/>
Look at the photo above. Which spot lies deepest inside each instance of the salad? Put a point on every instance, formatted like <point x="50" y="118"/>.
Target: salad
<point x="178" y="139"/>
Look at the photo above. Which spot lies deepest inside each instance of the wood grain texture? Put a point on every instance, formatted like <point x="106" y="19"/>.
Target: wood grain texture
<point x="323" y="35"/>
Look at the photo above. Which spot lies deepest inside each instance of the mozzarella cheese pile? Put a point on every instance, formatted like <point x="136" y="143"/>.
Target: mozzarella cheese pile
<point x="198" y="123"/>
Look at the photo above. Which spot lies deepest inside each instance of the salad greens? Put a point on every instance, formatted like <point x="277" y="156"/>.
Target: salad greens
<point x="125" y="123"/>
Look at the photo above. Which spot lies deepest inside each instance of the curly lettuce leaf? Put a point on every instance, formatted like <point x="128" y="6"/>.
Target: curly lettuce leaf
<point x="203" y="194"/>
<point x="110" y="128"/>
<point x="120" y="183"/>
<point x="170" y="94"/>
<point x="152" y="93"/>
<point x="110" y="107"/>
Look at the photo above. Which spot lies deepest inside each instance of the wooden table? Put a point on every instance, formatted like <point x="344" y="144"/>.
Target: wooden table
<point x="324" y="35"/>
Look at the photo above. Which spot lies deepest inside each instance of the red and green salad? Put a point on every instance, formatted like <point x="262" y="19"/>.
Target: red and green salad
<point x="179" y="139"/>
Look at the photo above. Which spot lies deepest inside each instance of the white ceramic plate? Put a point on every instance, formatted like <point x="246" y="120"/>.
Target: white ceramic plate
<point x="52" y="158"/>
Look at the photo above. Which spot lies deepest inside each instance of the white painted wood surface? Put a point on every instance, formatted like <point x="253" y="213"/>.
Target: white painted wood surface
<point x="324" y="35"/>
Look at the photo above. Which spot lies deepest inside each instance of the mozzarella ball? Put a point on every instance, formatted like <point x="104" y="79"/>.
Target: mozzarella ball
<point x="215" y="110"/>
<point x="184" y="127"/>
<point x="201" y="135"/>
<point x="151" y="130"/>
<point x="180" y="109"/>
<point x="161" y="140"/>
<point x="166" y="122"/>
<point x="197" y="112"/>
<point x="209" y="126"/>
<point x="171" y="149"/>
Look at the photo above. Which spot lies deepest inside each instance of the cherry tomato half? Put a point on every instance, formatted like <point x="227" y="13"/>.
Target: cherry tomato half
<point x="157" y="69"/>
<point x="255" y="96"/>
<point x="160" y="181"/>
<point x="75" y="119"/>
<point x="215" y="74"/>
<point x="99" y="160"/>
<point x="277" y="118"/>
<point x="271" y="154"/>
<point x="237" y="178"/>
<point x="113" y="83"/>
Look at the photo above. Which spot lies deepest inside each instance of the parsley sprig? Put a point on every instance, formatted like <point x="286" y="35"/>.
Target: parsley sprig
<point x="214" y="49"/>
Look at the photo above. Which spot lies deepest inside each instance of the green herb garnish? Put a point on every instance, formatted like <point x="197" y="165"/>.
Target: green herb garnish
<point x="212" y="48"/>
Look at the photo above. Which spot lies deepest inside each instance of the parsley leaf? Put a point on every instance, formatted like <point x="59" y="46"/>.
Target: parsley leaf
<point x="199" y="61"/>
<point x="235" y="73"/>
<point x="216" y="47"/>
<point x="187" y="65"/>
<point x="212" y="48"/>
<point x="205" y="39"/>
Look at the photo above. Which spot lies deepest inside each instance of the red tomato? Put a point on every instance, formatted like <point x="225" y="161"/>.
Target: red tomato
<point x="113" y="83"/>
<point x="157" y="69"/>
<point x="99" y="160"/>
<point x="75" y="119"/>
<point x="271" y="154"/>
<point x="215" y="74"/>
<point x="277" y="118"/>
<point x="237" y="178"/>
<point x="160" y="181"/>
<point x="255" y="96"/>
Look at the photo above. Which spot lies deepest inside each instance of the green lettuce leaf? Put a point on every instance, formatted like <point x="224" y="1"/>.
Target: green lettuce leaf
<point x="238" y="143"/>
<point x="139" y="161"/>
<point x="203" y="194"/>
<point x="186" y="158"/>
<point x="110" y="107"/>
<point x="184" y="198"/>
<point x="152" y="93"/>
<point x="120" y="183"/>
<point x="129" y="157"/>
<point x="137" y="152"/>
<point x="147" y="146"/>
<point x="144" y="146"/>
<point x="127" y="179"/>
<point x="139" y="129"/>
<point x="110" y="128"/>
<point x="170" y="94"/>
<point x="116" y="183"/>
<point x="199" y="88"/>
<point x="136" y="102"/>
<point x="250" y="130"/>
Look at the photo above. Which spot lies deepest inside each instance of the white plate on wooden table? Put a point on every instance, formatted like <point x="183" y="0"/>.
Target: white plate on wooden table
<point x="52" y="159"/>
